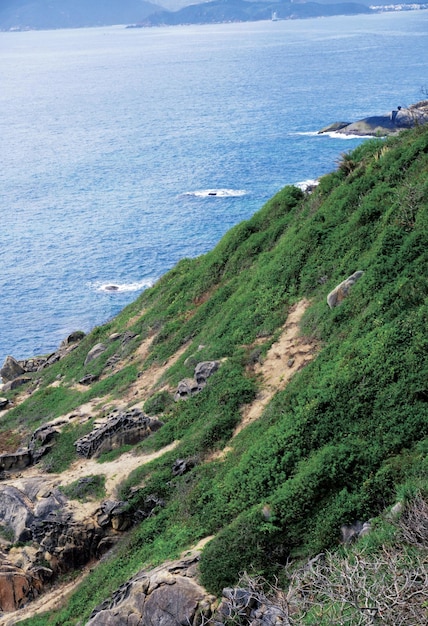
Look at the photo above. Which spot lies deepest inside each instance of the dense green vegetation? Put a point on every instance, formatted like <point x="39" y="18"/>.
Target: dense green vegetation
<point x="348" y="435"/>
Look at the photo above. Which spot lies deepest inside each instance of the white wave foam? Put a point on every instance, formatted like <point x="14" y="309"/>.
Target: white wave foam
<point x="333" y="135"/>
<point x="304" y="185"/>
<point x="336" y="135"/>
<point x="216" y="193"/>
<point x="121" y="287"/>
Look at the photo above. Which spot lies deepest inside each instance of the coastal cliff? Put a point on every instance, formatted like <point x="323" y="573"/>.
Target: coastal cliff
<point x="248" y="431"/>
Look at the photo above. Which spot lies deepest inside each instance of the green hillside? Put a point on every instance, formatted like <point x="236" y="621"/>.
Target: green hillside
<point x="344" y="440"/>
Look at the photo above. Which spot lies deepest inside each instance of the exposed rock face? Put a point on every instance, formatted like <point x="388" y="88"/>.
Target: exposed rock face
<point x="11" y="369"/>
<point x="128" y="427"/>
<point x="166" y="596"/>
<point x="15" y="460"/>
<point x="41" y="514"/>
<point x="115" y="514"/>
<point x="190" y="386"/>
<point x="66" y="543"/>
<point x="16" y="512"/>
<point x="95" y="352"/>
<point x="340" y="292"/>
<point x="17" y="586"/>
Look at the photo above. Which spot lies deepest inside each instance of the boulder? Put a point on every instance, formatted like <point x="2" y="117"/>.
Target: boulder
<point x="182" y="466"/>
<point x="16" y="383"/>
<point x="340" y="292"/>
<point x="114" y="514"/>
<point x="42" y="440"/>
<point x="72" y="338"/>
<point x="3" y="403"/>
<point x="127" y="427"/>
<point x="166" y="596"/>
<point x="95" y="352"/>
<point x="11" y="369"/>
<point x="88" y="379"/>
<point x="204" y="370"/>
<point x="186" y="388"/>
<point x="190" y="386"/>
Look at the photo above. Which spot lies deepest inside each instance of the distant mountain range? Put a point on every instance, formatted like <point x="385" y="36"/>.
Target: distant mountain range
<point x="242" y="11"/>
<point x="48" y="14"/>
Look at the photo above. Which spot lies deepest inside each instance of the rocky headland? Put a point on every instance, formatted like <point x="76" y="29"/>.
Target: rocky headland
<point x="389" y="123"/>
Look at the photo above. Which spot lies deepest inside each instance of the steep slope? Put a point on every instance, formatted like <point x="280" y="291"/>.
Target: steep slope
<point x="295" y="433"/>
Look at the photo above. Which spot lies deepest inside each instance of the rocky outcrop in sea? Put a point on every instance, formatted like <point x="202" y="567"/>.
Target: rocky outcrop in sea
<point x="390" y="123"/>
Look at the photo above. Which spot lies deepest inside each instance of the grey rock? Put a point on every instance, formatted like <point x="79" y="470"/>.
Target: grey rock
<point x="182" y="466"/>
<point x="11" y="369"/>
<point x="73" y="337"/>
<point x="16" y="512"/>
<point x="166" y="596"/>
<point x="16" y="383"/>
<point x="95" y="352"/>
<point x="342" y="290"/>
<point x="88" y="379"/>
<point x="204" y="370"/>
<point x="127" y="427"/>
<point x="186" y="388"/>
<point x="389" y="123"/>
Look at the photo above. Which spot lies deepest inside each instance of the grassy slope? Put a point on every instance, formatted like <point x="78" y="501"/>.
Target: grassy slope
<point x="348" y="434"/>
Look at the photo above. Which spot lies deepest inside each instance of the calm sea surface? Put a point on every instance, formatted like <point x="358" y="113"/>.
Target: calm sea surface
<point x="113" y="142"/>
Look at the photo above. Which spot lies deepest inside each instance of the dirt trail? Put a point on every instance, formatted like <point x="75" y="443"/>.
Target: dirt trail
<point x="289" y="354"/>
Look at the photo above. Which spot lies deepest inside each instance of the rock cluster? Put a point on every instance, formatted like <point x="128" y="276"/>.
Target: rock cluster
<point x="167" y="595"/>
<point x="120" y="428"/>
<point x="190" y="386"/>
<point x="13" y="372"/>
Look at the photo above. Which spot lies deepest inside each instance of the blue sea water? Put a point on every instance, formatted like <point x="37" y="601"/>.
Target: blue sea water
<point x="125" y="150"/>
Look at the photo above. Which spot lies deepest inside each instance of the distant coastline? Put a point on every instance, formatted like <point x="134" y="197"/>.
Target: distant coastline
<point x="21" y="15"/>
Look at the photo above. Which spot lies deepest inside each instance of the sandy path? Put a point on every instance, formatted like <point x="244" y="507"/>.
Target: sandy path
<point x="288" y="355"/>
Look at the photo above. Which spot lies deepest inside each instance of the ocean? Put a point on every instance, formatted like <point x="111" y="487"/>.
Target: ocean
<point x="125" y="150"/>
